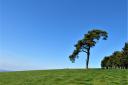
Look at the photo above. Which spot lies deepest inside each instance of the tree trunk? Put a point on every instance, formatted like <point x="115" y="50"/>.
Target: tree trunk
<point x="87" y="60"/>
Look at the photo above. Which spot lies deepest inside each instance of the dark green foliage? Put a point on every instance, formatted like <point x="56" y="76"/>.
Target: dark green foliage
<point x="119" y="59"/>
<point x="90" y="39"/>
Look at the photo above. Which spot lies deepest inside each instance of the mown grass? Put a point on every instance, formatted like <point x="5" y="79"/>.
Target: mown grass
<point x="66" y="77"/>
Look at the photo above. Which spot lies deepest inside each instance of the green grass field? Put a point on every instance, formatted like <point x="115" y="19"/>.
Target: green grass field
<point x="66" y="77"/>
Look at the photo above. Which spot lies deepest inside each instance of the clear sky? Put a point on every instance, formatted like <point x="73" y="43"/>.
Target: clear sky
<point x="40" y="34"/>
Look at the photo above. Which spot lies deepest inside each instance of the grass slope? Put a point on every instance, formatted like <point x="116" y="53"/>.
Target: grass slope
<point x="65" y="77"/>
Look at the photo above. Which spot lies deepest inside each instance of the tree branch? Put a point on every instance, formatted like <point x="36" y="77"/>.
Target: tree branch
<point x="84" y="51"/>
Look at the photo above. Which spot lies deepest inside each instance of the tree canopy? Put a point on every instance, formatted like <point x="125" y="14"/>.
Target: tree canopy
<point x="89" y="40"/>
<point x="119" y="59"/>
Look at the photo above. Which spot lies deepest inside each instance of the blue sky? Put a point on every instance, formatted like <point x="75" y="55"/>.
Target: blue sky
<point x="40" y="34"/>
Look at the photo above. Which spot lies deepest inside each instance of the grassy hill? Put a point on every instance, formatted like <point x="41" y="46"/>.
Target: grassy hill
<point x="65" y="77"/>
